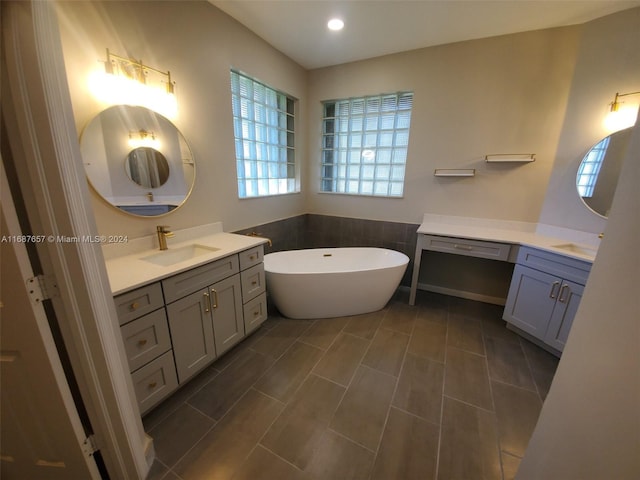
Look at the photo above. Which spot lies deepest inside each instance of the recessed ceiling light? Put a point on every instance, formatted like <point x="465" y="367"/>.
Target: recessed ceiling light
<point x="335" y="24"/>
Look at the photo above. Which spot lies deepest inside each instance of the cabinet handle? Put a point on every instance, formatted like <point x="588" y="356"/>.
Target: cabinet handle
<point x="254" y="283"/>
<point x="463" y="247"/>
<point x="153" y="384"/>
<point x="562" y="298"/>
<point x="215" y="298"/>
<point x="255" y="314"/>
<point x="142" y="343"/>
<point x="134" y="305"/>
<point x="553" y="289"/>
<point x="207" y="304"/>
<point x="252" y="257"/>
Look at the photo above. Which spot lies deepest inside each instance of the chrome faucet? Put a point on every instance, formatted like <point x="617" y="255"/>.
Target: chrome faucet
<point x="163" y="233"/>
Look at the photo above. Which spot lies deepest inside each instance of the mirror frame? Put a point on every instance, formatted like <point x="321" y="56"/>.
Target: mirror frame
<point x="613" y="154"/>
<point x="105" y="144"/>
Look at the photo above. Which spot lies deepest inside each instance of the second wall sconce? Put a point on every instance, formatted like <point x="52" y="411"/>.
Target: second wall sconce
<point x="621" y="117"/>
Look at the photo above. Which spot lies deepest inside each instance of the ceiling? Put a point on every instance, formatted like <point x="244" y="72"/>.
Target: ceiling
<point x="379" y="27"/>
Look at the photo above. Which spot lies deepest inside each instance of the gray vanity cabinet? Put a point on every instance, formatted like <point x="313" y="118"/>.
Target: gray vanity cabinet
<point x="174" y="328"/>
<point x="191" y="334"/>
<point x="544" y="295"/>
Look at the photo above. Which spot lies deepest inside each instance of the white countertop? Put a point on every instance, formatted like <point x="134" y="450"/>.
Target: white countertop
<point x="541" y="236"/>
<point x="127" y="270"/>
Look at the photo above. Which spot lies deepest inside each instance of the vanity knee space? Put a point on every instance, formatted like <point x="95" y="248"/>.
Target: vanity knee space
<point x="175" y="327"/>
<point x="546" y="282"/>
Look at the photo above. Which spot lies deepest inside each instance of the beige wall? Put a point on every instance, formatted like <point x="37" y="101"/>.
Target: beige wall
<point x="504" y="94"/>
<point x="608" y="62"/>
<point x="198" y="44"/>
<point x="589" y="426"/>
<point x="518" y="93"/>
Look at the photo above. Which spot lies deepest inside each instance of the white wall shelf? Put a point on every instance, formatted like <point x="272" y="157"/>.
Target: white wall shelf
<point x="454" y="172"/>
<point x="510" y="158"/>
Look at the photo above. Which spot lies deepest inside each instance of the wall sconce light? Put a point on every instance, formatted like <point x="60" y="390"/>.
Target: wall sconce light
<point x="142" y="138"/>
<point x="621" y="116"/>
<point x="126" y="81"/>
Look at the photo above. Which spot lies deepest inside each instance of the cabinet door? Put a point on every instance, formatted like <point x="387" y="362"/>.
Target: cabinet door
<point x="226" y="303"/>
<point x="531" y="299"/>
<point x="191" y="333"/>
<point x="565" y="310"/>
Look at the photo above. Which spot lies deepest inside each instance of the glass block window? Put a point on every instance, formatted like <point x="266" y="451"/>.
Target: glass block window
<point x="590" y="168"/>
<point x="263" y="125"/>
<point x="364" y="144"/>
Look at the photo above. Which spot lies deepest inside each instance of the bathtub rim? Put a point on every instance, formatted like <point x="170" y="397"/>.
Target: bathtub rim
<point x="402" y="259"/>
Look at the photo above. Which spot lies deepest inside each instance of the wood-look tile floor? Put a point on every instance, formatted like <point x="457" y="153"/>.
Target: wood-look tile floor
<point x="441" y="390"/>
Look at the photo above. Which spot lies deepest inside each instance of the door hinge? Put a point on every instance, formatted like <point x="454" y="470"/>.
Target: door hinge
<point x="42" y="287"/>
<point x="89" y="445"/>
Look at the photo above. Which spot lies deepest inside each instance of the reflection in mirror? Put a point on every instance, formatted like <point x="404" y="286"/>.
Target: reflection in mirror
<point x="147" y="167"/>
<point x="599" y="170"/>
<point x="167" y="168"/>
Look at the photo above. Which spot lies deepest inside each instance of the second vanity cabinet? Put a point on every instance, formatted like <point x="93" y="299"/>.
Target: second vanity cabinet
<point x="544" y="295"/>
<point x="175" y="327"/>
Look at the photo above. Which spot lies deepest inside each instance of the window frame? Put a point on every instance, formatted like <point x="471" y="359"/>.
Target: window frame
<point x="358" y="126"/>
<point x="265" y="167"/>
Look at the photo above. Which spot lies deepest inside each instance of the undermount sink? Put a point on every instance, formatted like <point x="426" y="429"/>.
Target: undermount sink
<point x="177" y="255"/>
<point x="572" y="247"/>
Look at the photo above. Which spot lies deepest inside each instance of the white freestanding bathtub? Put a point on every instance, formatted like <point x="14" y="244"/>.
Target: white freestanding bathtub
<point x="333" y="282"/>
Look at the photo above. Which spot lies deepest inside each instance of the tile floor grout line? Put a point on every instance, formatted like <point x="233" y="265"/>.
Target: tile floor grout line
<point x="286" y="329"/>
<point x="346" y="389"/>
<point x="493" y="403"/>
<point x="274" y="453"/>
<point x="395" y="389"/>
<point x="526" y="357"/>
<point x="444" y="379"/>
<point x="309" y="373"/>
<point x="355" y="442"/>
<point x="192" y="446"/>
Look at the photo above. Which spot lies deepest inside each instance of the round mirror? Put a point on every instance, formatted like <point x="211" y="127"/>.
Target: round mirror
<point x="158" y="172"/>
<point x="599" y="170"/>
<point x="147" y="167"/>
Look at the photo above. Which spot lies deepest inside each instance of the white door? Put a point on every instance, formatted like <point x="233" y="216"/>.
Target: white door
<point x="41" y="433"/>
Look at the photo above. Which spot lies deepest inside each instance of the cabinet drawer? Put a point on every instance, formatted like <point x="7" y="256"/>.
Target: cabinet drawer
<point x="255" y="312"/>
<point x="566" y="267"/>
<point x="193" y="280"/>
<point x="251" y="257"/>
<point x="146" y="338"/>
<point x="139" y="302"/>
<point x="253" y="282"/>
<point x="155" y="381"/>
<point x="471" y="248"/>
